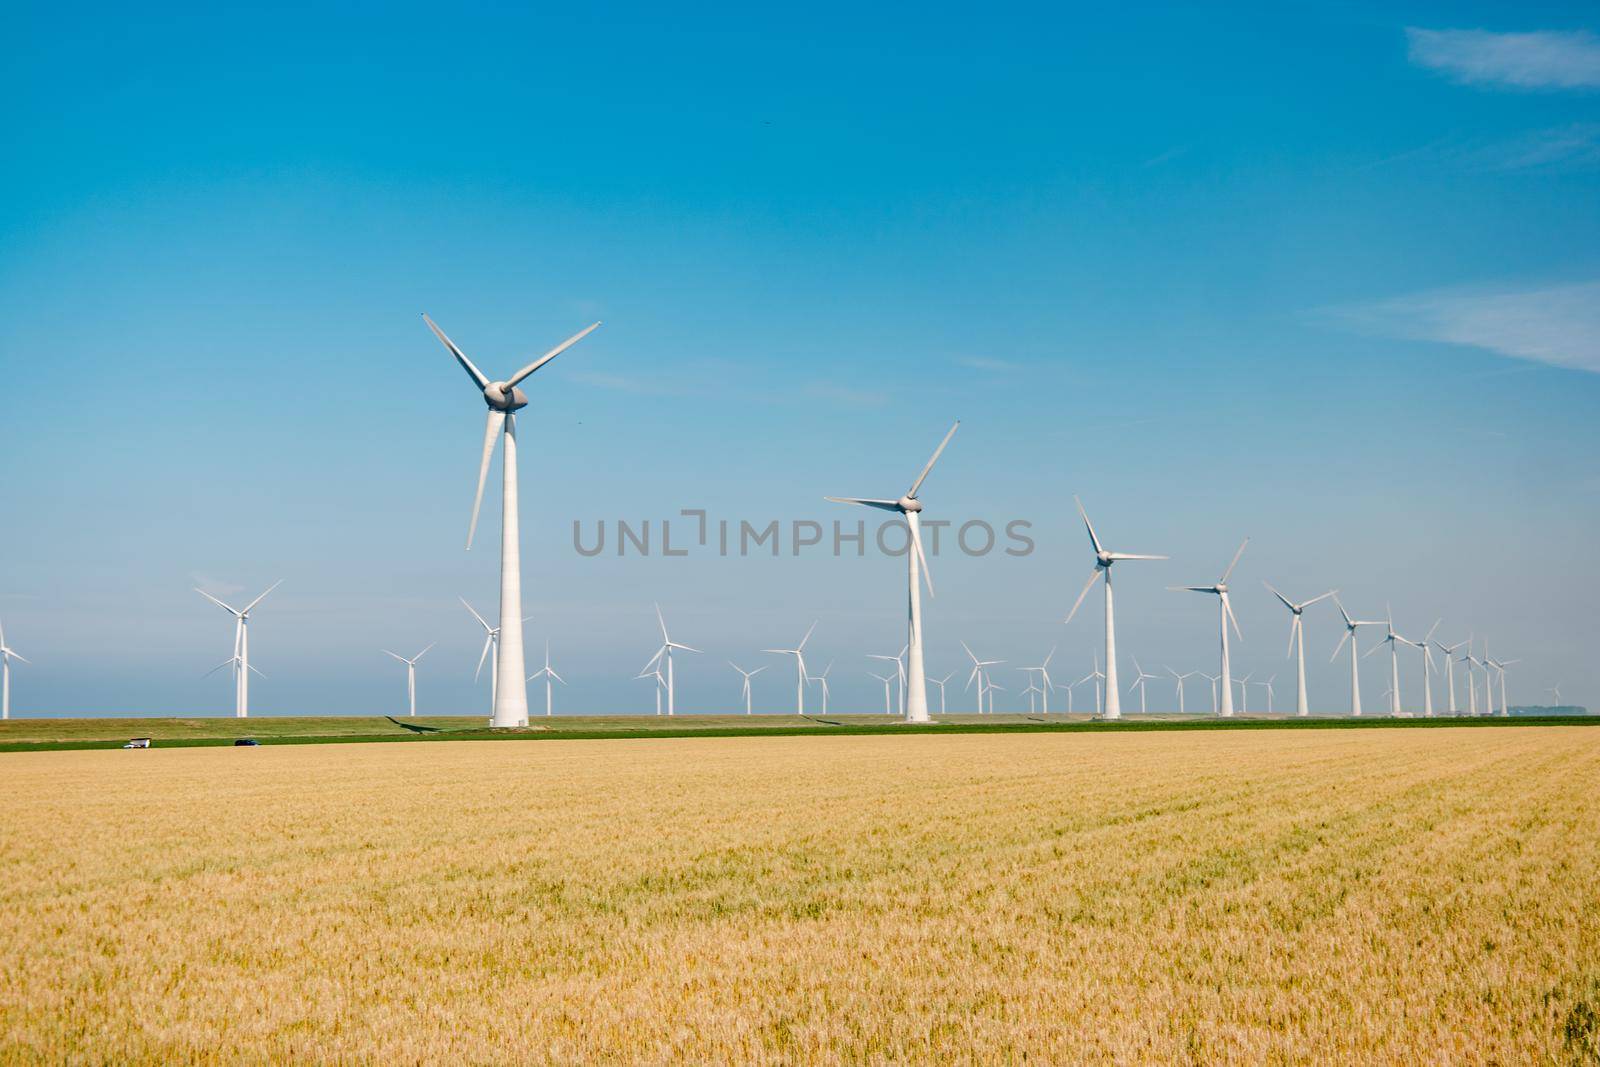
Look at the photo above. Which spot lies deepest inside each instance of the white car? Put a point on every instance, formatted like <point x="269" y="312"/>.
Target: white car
<point x="138" y="742"/>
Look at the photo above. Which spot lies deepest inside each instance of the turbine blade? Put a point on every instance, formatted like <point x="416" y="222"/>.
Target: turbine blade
<point x="258" y="674"/>
<point x="262" y="597"/>
<point x="424" y="652"/>
<point x="806" y="638"/>
<point x="1093" y="539"/>
<point x="1294" y="628"/>
<point x="461" y="357"/>
<point x="1280" y="596"/>
<point x="552" y="354"/>
<point x="215" y="601"/>
<point x="481" y="621"/>
<point x="208" y="674"/>
<point x="488" y="640"/>
<point x="1314" y="599"/>
<point x="1228" y="607"/>
<point x="881" y="505"/>
<point x="912" y="493"/>
<point x="1134" y="555"/>
<point x="1235" y="562"/>
<point x="491" y="432"/>
<point x="1094" y="574"/>
<point x="922" y="559"/>
<point x="1429" y="635"/>
<point x="402" y="659"/>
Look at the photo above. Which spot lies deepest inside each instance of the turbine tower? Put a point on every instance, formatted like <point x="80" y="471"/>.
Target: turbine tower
<point x="1213" y="679"/>
<point x="822" y="681"/>
<point x="798" y="652"/>
<point x="1103" y="560"/>
<point x="1472" y="681"/>
<point x="900" y="673"/>
<point x="1224" y="616"/>
<point x="908" y="506"/>
<point x="664" y="653"/>
<point x="504" y="400"/>
<point x="549" y="675"/>
<point x="241" y="649"/>
<point x="1500" y="666"/>
<point x="980" y="674"/>
<point x="745" y="689"/>
<point x="1097" y="677"/>
<point x="1297" y="643"/>
<point x="411" y="677"/>
<point x="940" y="683"/>
<point x="888" y="706"/>
<point x="1350" y="628"/>
<point x="1178" y="680"/>
<point x="1045" y="683"/>
<point x="1427" y="669"/>
<point x="7" y="654"/>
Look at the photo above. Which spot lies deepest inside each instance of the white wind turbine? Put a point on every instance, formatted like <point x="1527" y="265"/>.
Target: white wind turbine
<point x="1103" y="560"/>
<point x="909" y="507"/>
<point x="798" y="652"/>
<point x="1350" y="628"/>
<point x="1427" y="668"/>
<point x="1472" y="681"/>
<point x="1500" y="666"/>
<point x="822" y="681"/>
<point x="664" y="655"/>
<point x="980" y="674"/>
<point x="1225" y="616"/>
<point x="1096" y="677"/>
<point x="1267" y="685"/>
<point x="745" y="688"/>
<point x="653" y="670"/>
<point x="549" y="675"/>
<point x="411" y="676"/>
<point x="1297" y="643"/>
<point x="1244" y="693"/>
<point x="1043" y="670"/>
<point x="491" y="643"/>
<point x="900" y="673"/>
<point x="1555" y="691"/>
<point x="993" y="689"/>
<point x="1139" y="682"/>
<point x="886" y="679"/>
<point x="940" y="683"/>
<point x="504" y="399"/>
<point x="1030" y="689"/>
<point x="7" y="654"/>
<point x="1178" y="680"/>
<point x="241" y="649"/>
<point x="1213" y="679"/>
<point x="1448" y="652"/>
<point x="1393" y="640"/>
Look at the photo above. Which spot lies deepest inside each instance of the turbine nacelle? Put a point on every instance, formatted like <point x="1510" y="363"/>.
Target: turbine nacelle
<point x="908" y="503"/>
<point x="502" y="397"/>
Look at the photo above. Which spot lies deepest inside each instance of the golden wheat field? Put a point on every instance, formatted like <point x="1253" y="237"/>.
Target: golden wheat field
<point x="1339" y="896"/>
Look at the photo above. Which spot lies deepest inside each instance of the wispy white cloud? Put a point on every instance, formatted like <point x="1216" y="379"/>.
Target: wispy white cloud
<point x="1557" y="325"/>
<point x="1575" y="145"/>
<point x="1540" y="60"/>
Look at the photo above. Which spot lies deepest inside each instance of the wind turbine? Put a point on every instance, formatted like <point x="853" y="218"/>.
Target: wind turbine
<point x="1031" y="689"/>
<point x="1267" y="685"/>
<point x="1555" y="691"/>
<point x="241" y="649"/>
<point x="1096" y="677"/>
<point x="1500" y="666"/>
<point x="1103" y="560"/>
<point x="993" y="689"/>
<point x="1244" y="693"/>
<point x="980" y="673"/>
<point x="888" y="708"/>
<point x="1427" y="669"/>
<point x="1046" y="684"/>
<point x="504" y="399"/>
<point x="940" y="683"/>
<point x="1472" y="681"/>
<point x="798" y="652"/>
<point x="910" y="508"/>
<point x="411" y="676"/>
<point x="549" y="675"/>
<point x="653" y="670"/>
<point x="7" y="654"/>
<point x="1225" y="616"/>
<point x="1448" y="652"/>
<point x="1350" y="628"/>
<point x="1178" y="680"/>
<point x="1393" y="640"/>
<point x="822" y="680"/>
<point x="1297" y="642"/>
<point x="900" y="673"/>
<point x="665" y="652"/>
<point x="1138" y="682"/>
<point x="491" y="642"/>
<point x="745" y="690"/>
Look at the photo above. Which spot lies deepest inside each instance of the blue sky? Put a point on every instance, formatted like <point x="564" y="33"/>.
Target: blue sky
<point x="1326" y="277"/>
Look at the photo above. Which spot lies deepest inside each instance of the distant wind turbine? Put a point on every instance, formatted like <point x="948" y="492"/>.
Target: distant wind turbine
<point x="900" y="673"/>
<point x="1139" y="682"/>
<point x="910" y="508"/>
<point x="491" y="642"/>
<point x="1043" y="670"/>
<point x="886" y="679"/>
<point x="1393" y="640"/>
<point x="1427" y="668"/>
<point x="549" y="675"/>
<point x="1500" y="666"/>
<point x="7" y="654"/>
<point x="1267" y="685"/>
<point x="1297" y="642"/>
<point x="1213" y="679"/>
<point x="745" y="688"/>
<point x="1244" y="693"/>
<point x="798" y="652"/>
<point x="664" y="656"/>
<point x="1178" y="680"/>
<point x="1097" y="677"/>
<point x="822" y="681"/>
<point x="411" y="676"/>
<point x="1449" y="652"/>
<point x="504" y="399"/>
<point x="1103" y="559"/>
<point x="1350" y="628"/>
<point x="940" y="682"/>
<point x="1555" y="691"/>
<point x="241" y="649"/>
<point x="1224" y="616"/>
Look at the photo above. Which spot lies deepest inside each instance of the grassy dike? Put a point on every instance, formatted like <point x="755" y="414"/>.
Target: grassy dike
<point x="51" y="735"/>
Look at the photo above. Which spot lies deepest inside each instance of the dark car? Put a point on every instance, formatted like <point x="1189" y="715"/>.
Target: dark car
<point x="246" y="742"/>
